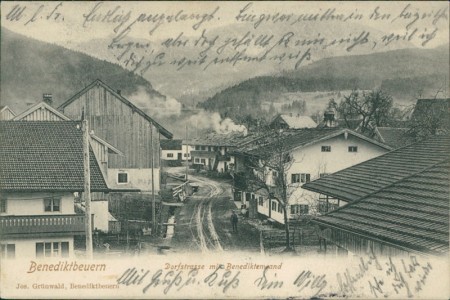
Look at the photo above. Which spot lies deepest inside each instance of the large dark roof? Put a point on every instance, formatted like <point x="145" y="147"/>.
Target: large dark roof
<point x="170" y="144"/>
<point x="45" y="156"/>
<point x="412" y="213"/>
<point x="216" y="139"/>
<point x="378" y="173"/>
<point x="161" y="129"/>
<point x="395" y="137"/>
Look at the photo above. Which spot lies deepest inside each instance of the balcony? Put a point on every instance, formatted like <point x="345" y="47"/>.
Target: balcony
<point x="54" y="224"/>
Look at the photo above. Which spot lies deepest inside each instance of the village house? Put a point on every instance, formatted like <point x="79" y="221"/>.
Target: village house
<point x="398" y="202"/>
<point x="314" y="153"/>
<point x="6" y="113"/>
<point x="118" y="121"/>
<point x="292" y="121"/>
<point x="212" y="152"/>
<point x="41" y="172"/>
<point x="174" y="150"/>
<point x="43" y="111"/>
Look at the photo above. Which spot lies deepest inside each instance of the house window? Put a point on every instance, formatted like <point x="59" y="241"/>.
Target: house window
<point x="323" y="206"/>
<point x="3" y="204"/>
<point x="52" y="204"/>
<point x="52" y="249"/>
<point x="197" y="160"/>
<point x="186" y="155"/>
<point x="280" y="209"/>
<point x="274" y="205"/>
<point x="169" y="154"/>
<point x="300" y="178"/>
<point x="203" y="161"/>
<point x="326" y="148"/>
<point x="122" y="177"/>
<point x="8" y="250"/>
<point x="203" y="148"/>
<point x="352" y="148"/>
<point x="197" y="147"/>
<point x="299" y="209"/>
<point x="261" y="201"/>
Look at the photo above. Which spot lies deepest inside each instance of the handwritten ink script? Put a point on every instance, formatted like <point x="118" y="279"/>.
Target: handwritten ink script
<point x="370" y="276"/>
<point x="241" y="34"/>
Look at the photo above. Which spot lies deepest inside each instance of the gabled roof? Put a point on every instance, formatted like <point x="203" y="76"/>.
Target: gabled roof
<point x="5" y="109"/>
<point x="171" y="144"/>
<point x="412" y="213"/>
<point x="293" y="139"/>
<point x="394" y="137"/>
<point x="45" y="156"/>
<point x="295" y="121"/>
<point x="161" y="129"/>
<point x="44" y="106"/>
<point x="61" y="117"/>
<point x="361" y="180"/>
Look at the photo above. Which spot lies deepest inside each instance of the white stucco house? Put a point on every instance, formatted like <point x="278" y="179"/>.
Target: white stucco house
<point x="41" y="171"/>
<point x="314" y="153"/>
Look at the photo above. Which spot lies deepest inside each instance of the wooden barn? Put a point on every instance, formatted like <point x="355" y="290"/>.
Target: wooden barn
<point x="118" y="121"/>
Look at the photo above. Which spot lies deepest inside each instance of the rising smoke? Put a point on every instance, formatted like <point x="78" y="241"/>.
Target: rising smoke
<point x="170" y="113"/>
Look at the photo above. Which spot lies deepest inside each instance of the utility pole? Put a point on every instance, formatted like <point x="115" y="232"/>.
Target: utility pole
<point x="186" y="154"/>
<point x="153" y="183"/>
<point x="87" y="188"/>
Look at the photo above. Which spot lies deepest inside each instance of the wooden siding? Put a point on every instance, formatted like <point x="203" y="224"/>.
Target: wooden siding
<point x="6" y="114"/>
<point x="120" y="125"/>
<point x="41" y="114"/>
<point x="358" y="244"/>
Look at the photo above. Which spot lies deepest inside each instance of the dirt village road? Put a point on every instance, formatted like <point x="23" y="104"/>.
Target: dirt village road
<point x="203" y="223"/>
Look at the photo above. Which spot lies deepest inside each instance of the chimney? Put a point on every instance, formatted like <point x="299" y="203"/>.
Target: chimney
<point x="119" y="92"/>
<point x="47" y="98"/>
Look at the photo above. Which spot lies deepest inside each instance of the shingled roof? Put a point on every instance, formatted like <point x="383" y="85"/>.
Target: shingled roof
<point x="170" y="144"/>
<point x="378" y="173"/>
<point x="412" y="213"/>
<point x="45" y="156"/>
<point x="394" y="137"/>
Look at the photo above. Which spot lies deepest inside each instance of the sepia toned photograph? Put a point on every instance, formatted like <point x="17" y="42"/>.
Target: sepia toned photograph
<point x="224" y="150"/>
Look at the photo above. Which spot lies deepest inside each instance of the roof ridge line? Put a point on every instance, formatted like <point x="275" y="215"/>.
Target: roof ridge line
<point x="388" y="186"/>
<point x="121" y="98"/>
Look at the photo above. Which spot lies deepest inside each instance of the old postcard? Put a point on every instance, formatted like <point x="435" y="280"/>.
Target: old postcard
<point x="231" y="150"/>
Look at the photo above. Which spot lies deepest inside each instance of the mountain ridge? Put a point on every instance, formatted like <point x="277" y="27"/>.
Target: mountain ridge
<point x="49" y="68"/>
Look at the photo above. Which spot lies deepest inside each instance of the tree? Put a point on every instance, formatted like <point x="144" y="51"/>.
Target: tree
<point x="267" y="171"/>
<point x="372" y="108"/>
<point x="430" y="117"/>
